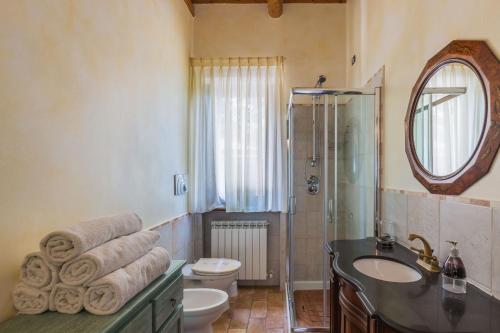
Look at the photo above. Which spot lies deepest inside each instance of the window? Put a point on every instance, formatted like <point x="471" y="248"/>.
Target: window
<point x="236" y="134"/>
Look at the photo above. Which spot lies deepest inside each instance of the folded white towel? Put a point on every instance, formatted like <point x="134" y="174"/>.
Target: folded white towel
<point x="37" y="272"/>
<point x="109" y="293"/>
<point x="107" y="257"/>
<point x="66" y="299"/>
<point x="29" y="300"/>
<point x="68" y="243"/>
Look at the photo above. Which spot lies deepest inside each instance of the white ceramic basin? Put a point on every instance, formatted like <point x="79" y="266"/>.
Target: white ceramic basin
<point x="386" y="270"/>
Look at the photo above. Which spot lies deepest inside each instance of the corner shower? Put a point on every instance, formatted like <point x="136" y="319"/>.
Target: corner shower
<point x="338" y="198"/>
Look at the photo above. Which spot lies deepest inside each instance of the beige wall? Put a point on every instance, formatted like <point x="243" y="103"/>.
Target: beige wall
<point x="311" y="37"/>
<point x="93" y="116"/>
<point x="403" y="35"/>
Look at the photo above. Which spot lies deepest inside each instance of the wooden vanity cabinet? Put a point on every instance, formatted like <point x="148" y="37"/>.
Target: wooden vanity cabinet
<point x="347" y="313"/>
<point x="353" y="317"/>
<point x="359" y="304"/>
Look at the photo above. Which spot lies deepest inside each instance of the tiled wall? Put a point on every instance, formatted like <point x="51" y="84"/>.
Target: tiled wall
<point x="274" y="242"/>
<point x="185" y="237"/>
<point x="308" y="219"/>
<point x="178" y="237"/>
<point x="475" y="224"/>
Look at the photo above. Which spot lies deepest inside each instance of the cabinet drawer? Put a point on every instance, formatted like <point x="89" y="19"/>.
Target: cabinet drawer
<point x="166" y="302"/>
<point x="141" y="322"/>
<point x="175" y="324"/>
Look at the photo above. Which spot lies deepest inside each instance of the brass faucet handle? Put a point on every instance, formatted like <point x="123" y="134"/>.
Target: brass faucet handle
<point x="427" y="247"/>
<point x="429" y="257"/>
<point x="419" y="251"/>
<point x="431" y="263"/>
<point x="435" y="264"/>
<point x="425" y="257"/>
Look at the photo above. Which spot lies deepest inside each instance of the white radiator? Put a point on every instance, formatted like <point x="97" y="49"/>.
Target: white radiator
<point x="245" y="241"/>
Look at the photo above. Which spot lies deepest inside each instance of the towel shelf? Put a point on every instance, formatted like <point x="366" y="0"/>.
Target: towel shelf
<point x="140" y="314"/>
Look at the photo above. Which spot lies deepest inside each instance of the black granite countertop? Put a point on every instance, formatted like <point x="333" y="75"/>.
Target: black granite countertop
<point x="421" y="306"/>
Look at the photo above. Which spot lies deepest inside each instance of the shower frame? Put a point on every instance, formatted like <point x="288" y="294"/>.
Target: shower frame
<point x="328" y="208"/>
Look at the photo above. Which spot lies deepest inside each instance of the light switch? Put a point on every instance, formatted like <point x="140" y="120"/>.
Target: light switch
<point x="180" y="184"/>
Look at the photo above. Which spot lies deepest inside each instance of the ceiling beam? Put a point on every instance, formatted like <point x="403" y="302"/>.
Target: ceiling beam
<point x="189" y="4"/>
<point x="275" y="8"/>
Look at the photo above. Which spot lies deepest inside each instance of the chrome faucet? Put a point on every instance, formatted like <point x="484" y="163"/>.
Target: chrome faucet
<point x="425" y="257"/>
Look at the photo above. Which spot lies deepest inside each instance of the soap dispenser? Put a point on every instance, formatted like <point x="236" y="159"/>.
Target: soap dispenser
<point x="454" y="275"/>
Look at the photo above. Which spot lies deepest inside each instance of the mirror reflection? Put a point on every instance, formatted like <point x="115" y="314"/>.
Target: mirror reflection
<point x="449" y="119"/>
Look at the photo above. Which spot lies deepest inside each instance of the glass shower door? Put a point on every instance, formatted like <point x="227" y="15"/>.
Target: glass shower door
<point x="352" y="168"/>
<point x="346" y="205"/>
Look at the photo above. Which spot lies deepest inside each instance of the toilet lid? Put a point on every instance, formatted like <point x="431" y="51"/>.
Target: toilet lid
<point x="188" y="274"/>
<point x="216" y="266"/>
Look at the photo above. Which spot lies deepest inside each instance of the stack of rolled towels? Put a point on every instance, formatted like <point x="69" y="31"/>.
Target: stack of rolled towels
<point x="98" y="265"/>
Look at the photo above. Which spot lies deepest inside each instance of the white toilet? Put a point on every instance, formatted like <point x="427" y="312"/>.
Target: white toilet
<point x="203" y="306"/>
<point x="217" y="273"/>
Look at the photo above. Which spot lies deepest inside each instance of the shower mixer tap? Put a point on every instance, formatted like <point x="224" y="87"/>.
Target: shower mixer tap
<point x="313" y="185"/>
<point x="313" y="180"/>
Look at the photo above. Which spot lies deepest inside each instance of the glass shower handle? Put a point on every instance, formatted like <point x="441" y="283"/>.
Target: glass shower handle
<point x="330" y="211"/>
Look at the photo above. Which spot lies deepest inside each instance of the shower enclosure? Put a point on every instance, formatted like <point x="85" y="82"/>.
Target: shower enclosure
<point x="332" y="138"/>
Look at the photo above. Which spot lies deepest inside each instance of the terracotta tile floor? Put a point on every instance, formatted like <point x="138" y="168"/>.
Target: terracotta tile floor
<point x="309" y="308"/>
<point x="254" y="310"/>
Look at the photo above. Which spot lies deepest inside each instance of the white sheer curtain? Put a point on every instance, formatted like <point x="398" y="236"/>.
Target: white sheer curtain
<point x="459" y="121"/>
<point x="237" y="135"/>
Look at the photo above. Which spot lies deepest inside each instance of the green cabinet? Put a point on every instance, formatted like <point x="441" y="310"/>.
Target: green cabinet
<point x="158" y="308"/>
<point x="175" y="324"/>
<point x="167" y="302"/>
<point x="141" y="323"/>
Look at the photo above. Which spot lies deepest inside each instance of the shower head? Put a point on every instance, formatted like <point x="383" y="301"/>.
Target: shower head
<point x="320" y="81"/>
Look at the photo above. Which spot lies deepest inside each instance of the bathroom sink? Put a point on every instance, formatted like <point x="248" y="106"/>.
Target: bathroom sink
<point x="386" y="270"/>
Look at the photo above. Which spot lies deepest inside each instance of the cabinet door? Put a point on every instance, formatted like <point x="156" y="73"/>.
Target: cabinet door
<point x="140" y="323"/>
<point x="353" y="317"/>
<point x="350" y="324"/>
<point x="334" y="299"/>
<point x="175" y="324"/>
<point x="165" y="304"/>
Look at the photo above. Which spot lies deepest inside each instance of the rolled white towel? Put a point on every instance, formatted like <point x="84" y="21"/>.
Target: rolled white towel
<point x="109" y="293"/>
<point x="107" y="257"/>
<point x="66" y="299"/>
<point x="68" y="243"/>
<point x="37" y="272"/>
<point x="29" y="300"/>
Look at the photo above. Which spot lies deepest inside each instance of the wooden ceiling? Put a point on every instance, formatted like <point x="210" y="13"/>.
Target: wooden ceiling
<point x="274" y="7"/>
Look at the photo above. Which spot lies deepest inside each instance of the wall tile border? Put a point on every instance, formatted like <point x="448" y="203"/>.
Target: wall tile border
<point x="463" y="200"/>
<point x="178" y="236"/>
<point x="172" y="220"/>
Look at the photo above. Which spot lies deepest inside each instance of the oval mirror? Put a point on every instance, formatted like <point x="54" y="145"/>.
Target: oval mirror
<point x="449" y="119"/>
<point x="453" y="120"/>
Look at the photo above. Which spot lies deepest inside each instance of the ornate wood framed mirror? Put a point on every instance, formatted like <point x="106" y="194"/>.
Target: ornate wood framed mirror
<point x="453" y="120"/>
